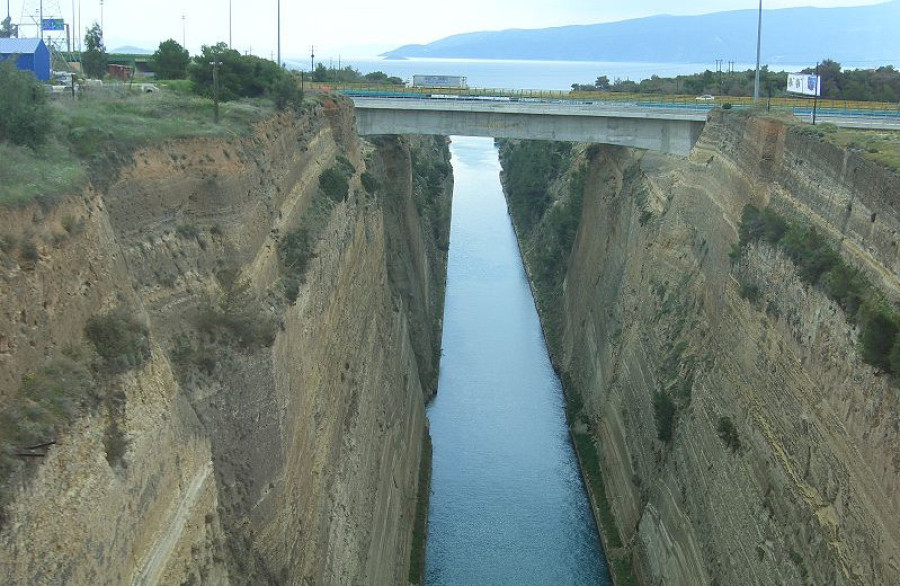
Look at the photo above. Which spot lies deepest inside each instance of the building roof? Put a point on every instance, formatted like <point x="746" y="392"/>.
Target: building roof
<point x="19" y="46"/>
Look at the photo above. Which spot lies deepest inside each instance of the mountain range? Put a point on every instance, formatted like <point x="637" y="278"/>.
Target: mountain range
<point x="855" y="36"/>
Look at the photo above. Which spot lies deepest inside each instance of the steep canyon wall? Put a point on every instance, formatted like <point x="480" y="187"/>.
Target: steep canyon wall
<point x="272" y="430"/>
<point x="741" y="437"/>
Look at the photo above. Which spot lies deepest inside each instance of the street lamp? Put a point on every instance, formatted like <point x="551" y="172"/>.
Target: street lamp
<point x="758" y="43"/>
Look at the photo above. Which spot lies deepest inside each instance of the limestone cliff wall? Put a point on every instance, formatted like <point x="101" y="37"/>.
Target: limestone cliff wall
<point x="288" y="459"/>
<point x="652" y="304"/>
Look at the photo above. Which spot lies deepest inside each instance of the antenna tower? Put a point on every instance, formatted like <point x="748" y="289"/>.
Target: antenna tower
<point x="60" y="40"/>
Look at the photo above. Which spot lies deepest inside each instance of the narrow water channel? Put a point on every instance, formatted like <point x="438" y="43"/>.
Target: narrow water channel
<point x="508" y="505"/>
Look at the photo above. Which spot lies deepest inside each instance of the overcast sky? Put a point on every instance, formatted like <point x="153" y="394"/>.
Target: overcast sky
<point x="349" y="28"/>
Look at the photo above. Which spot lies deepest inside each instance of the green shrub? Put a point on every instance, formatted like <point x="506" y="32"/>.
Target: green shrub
<point x="121" y="340"/>
<point x="236" y="318"/>
<point x="369" y="182"/>
<point x="878" y="336"/>
<point x="115" y="444"/>
<point x="29" y="252"/>
<point x="295" y="250"/>
<point x="728" y="433"/>
<point x="25" y="115"/>
<point x="664" y="415"/>
<point x="334" y="183"/>
<point x="750" y="292"/>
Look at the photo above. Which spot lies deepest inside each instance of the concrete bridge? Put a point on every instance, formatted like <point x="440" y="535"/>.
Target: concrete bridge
<point x="668" y="130"/>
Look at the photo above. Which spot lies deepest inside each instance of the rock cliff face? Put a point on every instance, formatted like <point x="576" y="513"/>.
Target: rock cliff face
<point x="782" y="462"/>
<point x="263" y="437"/>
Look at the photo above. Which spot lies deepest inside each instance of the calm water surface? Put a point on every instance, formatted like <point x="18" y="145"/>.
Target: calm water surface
<point x="507" y="505"/>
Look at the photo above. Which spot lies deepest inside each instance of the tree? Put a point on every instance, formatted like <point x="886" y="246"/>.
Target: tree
<point x="240" y="76"/>
<point x="24" y="112"/>
<point x="170" y="61"/>
<point x="7" y="29"/>
<point x="602" y="83"/>
<point x="94" y="61"/>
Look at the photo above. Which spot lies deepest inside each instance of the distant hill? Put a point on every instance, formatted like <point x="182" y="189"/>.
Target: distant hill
<point x="856" y="37"/>
<point x="132" y="50"/>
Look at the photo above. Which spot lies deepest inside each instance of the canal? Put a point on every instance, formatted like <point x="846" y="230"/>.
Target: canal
<point x="508" y="505"/>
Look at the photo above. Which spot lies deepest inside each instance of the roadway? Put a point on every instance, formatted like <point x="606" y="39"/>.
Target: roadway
<point x="848" y="118"/>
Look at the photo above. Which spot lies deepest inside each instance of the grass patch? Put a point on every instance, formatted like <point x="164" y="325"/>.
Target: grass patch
<point x="882" y="147"/>
<point x="87" y="131"/>
<point x="41" y="174"/>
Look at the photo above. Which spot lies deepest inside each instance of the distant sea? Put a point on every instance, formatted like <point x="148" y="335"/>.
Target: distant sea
<point x="510" y="74"/>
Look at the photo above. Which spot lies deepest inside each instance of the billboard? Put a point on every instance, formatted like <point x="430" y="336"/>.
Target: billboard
<point x="804" y="83"/>
<point x="53" y="24"/>
<point x="443" y="81"/>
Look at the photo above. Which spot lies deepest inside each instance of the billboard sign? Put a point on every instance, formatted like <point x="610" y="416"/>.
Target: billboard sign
<point x="804" y="83"/>
<point x="53" y="24"/>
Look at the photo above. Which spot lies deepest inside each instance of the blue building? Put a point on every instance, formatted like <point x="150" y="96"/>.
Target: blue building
<point x="32" y="55"/>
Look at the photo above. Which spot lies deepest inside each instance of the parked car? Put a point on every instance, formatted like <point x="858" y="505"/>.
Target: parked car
<point x="706" y="98"/>
<point x="148" y="88"/>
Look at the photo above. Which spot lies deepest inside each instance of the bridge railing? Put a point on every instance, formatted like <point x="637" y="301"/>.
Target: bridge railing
<point x="797" y="105"/>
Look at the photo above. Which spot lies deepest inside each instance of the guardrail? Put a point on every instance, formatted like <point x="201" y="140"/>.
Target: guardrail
<point x="799" y="106"/>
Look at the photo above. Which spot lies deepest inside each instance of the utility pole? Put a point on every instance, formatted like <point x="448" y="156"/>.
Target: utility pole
<point x="719" y="73"/>
<point x="215" y="65"/>
<point x="758" y="44"/>
<point x="183" y="34"/>
<point x="818" y="91"/>
<point x="41" y="21"/>
<point x="102" y="28"/>
<point x="312" y="58"/>
<point x="229" y="24"/>
<point x="279" y="33"/>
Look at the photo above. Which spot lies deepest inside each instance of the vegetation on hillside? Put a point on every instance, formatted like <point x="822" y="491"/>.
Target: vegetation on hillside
<point x="50" y="148"/>
<point x="819" y="265"/>
<point x="350" y="75"/>
<point x="24" y="109"/>
<point x="881" y="84"/>
<point x="878" y="146"/>
<point x="241" y="76"/>
<point x="297" y="247"/>
<point x="548" y="226"/>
